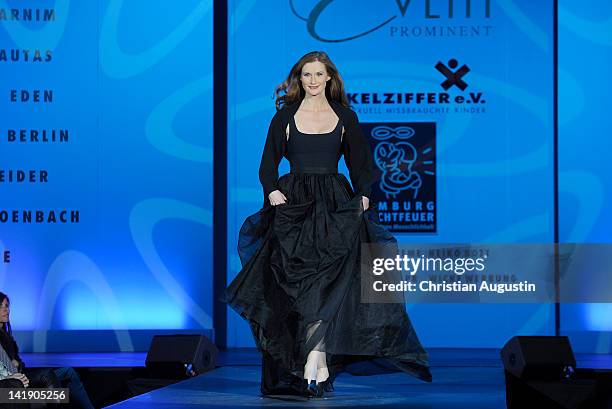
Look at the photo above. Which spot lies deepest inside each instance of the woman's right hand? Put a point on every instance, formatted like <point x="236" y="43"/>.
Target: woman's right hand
<point x="20" y="377"/>
<point x="277" y="197"/>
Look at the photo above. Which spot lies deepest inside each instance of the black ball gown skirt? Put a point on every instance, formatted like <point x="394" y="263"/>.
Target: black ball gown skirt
<point x="299" y="287"/>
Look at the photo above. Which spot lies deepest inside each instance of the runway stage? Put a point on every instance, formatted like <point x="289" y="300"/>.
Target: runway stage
<point x="467" y="378"/>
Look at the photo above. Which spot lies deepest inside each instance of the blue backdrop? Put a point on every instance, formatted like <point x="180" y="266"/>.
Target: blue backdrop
<point x="494" y="162"/>
<point x="132" y="85"/>
<point x="585" y="187"/>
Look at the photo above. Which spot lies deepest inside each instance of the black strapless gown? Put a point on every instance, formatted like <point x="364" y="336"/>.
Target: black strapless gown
<point x="299" y="287"/>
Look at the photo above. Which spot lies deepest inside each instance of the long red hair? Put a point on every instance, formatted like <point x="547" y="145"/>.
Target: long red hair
<point x="290" y="90"/>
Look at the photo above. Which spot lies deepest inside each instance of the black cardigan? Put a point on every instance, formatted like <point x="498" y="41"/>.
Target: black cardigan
<point x="355" y="148"/>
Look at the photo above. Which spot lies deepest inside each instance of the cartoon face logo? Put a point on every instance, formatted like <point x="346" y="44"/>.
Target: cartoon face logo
<point x="396" y="160"/>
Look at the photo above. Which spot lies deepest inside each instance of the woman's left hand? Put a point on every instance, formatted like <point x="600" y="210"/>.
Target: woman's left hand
<point x="366" y="202"/>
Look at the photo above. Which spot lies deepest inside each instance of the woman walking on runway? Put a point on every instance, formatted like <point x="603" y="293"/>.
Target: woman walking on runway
<point x="299" y="287"/>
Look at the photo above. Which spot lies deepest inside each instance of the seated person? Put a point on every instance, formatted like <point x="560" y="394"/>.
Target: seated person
<point x="12" y="381"/>
<point x="39" y="378"/>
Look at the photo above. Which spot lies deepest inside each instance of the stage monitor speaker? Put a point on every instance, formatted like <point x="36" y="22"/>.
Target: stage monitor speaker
<point x="538" y="357"/>
<point x="180" y="356"/>
<point x="540" y="373"/>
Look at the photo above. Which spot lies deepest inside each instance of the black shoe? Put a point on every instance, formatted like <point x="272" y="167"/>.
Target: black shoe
<point x="327" y="385"/>
<point x="314" y="389"/>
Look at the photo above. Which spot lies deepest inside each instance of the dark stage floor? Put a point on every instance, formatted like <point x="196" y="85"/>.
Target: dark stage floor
<point x="463" y="378"/>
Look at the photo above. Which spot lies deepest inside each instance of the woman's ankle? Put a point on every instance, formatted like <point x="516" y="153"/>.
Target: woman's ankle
<point x="310" y="372"/>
